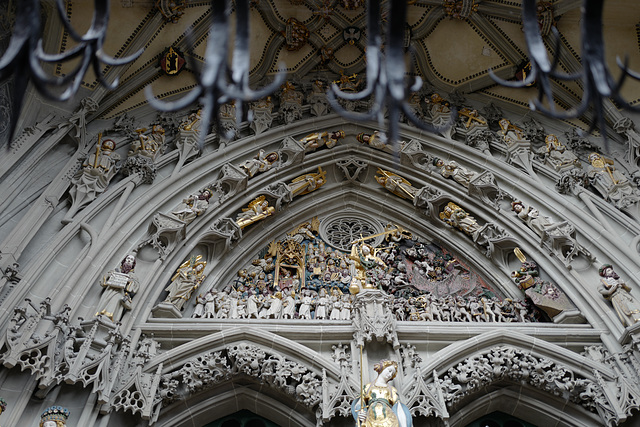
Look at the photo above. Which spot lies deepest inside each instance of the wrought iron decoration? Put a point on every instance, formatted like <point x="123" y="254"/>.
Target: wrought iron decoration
<point x="214" y="89"/>
<point x="22" y="57"/>
<point x="597" y="81"/>
<point x="219" y="83"/>
<point x="386" y="74"/>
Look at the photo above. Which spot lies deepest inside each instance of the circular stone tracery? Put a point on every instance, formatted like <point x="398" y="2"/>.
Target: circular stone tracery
<point x="340" y="231"/>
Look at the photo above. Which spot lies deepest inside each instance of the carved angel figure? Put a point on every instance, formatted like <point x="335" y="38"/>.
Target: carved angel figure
<point x="511" y="133"/>
<point x="613" y="288"/>
<point x="610" y="182"/>
<point x="458" y="218"/>
<point x="453" y="170"/>
<point x="382" y="406"/>
<point x="373" y="139"/>
<point x="148" y="145"/>
<point x="396" y="184"/>
<point x="557" y="155"/>
<point x="187" y="279"/>
<point x="258" y="209"/>
<point x="120" y="285"/>
<point x="319" y="139"/>
<point x="260" y="163"/>
<point x="307" y="183"/>
<point x="193" y="206"/>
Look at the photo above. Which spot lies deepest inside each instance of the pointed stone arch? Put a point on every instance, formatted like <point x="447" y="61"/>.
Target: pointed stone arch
<point x="259" y="370"/>
<point x="538" y="379"/>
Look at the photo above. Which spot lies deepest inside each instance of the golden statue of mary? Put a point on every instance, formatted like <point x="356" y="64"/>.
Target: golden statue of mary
<point x="382" y="407"/>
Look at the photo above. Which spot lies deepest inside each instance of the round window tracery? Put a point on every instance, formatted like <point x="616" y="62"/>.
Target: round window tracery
<point x="341" y="231"/>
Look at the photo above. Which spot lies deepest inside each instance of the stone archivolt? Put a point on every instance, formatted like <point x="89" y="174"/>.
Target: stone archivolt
<point x="100" y="356"/>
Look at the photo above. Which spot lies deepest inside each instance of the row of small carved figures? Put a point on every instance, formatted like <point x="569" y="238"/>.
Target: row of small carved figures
<point x="274" y="305"/>
<point x="463" y="309"/>
<point x="311" y="305"/>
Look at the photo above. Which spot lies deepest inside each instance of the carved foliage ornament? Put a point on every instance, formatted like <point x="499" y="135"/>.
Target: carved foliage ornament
<point x="265" y="366"/>
<point x="513" y="364"/>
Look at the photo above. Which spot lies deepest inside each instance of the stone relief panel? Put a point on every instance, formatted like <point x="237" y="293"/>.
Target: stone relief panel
<point x="316" y="271"/>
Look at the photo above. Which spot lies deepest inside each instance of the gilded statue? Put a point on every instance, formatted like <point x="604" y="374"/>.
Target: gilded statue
<point x="458" y="218"/>
<point x="614" y="289"/>
<point x="316" y="140"/>
<point x="471" y="118"/>
<point x="396" y="184"/>
<point x="257" y="210"/>
<point x="510" y="132"/>
<point x="187" y="279"/>
<point x="148" y="145"/>
<point x="379" y="404"/>
<point x="557" y="155"/>
<point x="610" y="182"/>
<point x="308" y="182"/>
<point x="120" y="285"/>
<point x="192" y="122"/>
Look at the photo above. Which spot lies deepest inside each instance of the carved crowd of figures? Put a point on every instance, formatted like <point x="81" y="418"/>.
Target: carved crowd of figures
<point x="611" y="182"/>
<point x="264" y="303"/>
<point x="464" y="309"/>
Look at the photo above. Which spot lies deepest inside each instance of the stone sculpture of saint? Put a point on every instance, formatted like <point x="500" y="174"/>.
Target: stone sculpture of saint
<point x="307" y="183"/>
<point x="609" y="181"/>
<point x="379" y="405"/>
<point x="613" y="288"/>
<point x="187" y="279"/>
<point x="93" y="178"/>
<point x="193" y="206"/>
<point x="364" y="258"/>
<point x="557" y="155"/>
<point x="120" y="285"/>
<point x="148" y="145"/>
<point x="260" y="163"/>
<point x="457" y="217"/>
<point x="453" y="170"/>
<point x="320" y="139"/>
<point x="396" y="184"/>
<point x="256" y="210"/>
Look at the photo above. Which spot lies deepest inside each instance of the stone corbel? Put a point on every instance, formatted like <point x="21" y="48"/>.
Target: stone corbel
<point x="231" y="181"/>
<point x="432" y="200"/>
<point x="413" y="154"/>
<point x="291" y="153"/>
